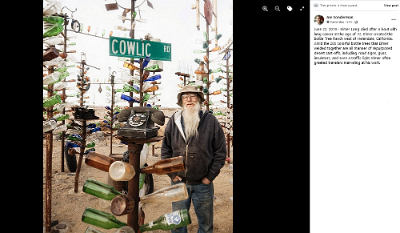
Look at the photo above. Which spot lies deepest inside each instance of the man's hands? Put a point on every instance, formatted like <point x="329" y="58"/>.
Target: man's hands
<point x="204" y="180"/>
<point x="176" y="178"/>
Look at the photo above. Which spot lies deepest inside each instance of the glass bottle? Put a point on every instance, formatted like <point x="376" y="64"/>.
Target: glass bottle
<point x="60" y="128"/>
<point x="53" y="19"/>
<point x="99" y="161"/>
<point x="90" y="145"/>
<point x="216" y="92"/>
<point x="176" y="192"/>
<point x="152" y="68"/>
<point x="100" y="190"/>
<point x="216" y="70"/>
<point x="49" y="124"/>
<point x="128" y="88"/>
<point x="146" y="61"/>
<point x="125" y="229"/>
<point x="201" y="69"/>
<point x="153" y="78"/>
<point x="121" y="171"/>
<point x="90" y="229"/>
<point x="71" y="144"/>
<point x="128" y="98"/>
<point x="74" y="137"/>
<point x="50" y="101"/>
<point x="53" y="30"/>
<point x="51" y="78"/>
<point x="165" y="166"/>
<point x="152" y="88"/>
<point x="130" y="66"/>
<point x="61" y="117"/>
<point x="101" y="219"/>
<point x="168" y="221"/>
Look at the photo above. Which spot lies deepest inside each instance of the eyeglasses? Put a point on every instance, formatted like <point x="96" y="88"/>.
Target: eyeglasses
<point x="192" y="96"/>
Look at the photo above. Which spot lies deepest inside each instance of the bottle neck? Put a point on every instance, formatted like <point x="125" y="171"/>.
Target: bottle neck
<point x="153" y="225"/>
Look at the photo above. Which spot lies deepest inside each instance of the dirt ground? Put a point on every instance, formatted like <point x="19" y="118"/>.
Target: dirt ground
<point x="68" y="206"/>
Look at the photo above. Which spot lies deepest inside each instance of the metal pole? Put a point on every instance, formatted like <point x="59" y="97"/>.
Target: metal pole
<point x="132" y="35"/>
<point x="63" y="92"/>
<point x="227" y="104"/>
<point x="141" y="83"/>
<point x="133" y="184"/>
<point x="82" y="77"/>
<point x="208" y="71"/>
<point x="49" y="152"/>
<point x="78" y="169"/>
<point x="214" y="5"/>
<point x="112" y="112"/>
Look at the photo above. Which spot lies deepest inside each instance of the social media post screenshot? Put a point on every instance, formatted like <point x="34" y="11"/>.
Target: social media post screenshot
<point x="354" y="116"/>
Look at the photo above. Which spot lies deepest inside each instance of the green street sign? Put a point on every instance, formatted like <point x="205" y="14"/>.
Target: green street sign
<point x="134" y="48"/>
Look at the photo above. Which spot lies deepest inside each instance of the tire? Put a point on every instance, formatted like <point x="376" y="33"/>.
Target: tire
<point x="70" y="159"/>
<point x="148" y="179"/>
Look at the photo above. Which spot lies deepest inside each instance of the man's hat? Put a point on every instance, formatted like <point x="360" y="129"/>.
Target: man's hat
<point x="189" y="89"/>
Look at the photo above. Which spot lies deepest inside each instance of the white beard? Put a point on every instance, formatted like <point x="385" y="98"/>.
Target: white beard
<point x="191" y="120"/>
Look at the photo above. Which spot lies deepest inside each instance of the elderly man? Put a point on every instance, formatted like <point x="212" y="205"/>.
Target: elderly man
<point x="196" y="135"/>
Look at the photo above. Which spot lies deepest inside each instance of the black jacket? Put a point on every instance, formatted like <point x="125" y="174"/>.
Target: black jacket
<point x="203" y="155"/>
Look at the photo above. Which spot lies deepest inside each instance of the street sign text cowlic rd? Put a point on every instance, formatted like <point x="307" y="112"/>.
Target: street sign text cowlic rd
<point x="136" y="48"/>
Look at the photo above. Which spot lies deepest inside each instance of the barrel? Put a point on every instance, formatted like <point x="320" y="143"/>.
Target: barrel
<point x="118" y="185"/>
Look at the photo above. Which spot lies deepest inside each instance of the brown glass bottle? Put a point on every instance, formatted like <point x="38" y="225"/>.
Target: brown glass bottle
<point x="99" y="161"/>
<point x="165" y="166"/>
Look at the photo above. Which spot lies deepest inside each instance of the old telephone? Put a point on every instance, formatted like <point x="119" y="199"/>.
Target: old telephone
<point x="140" y="122"/>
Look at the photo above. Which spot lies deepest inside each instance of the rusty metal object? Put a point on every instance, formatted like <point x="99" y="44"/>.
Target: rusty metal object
<point x="122" y="204"/>
<point x="49" y="152"/>
<point x="78" y="169"/>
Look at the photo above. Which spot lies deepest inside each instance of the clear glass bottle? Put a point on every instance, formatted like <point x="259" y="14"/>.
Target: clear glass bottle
<point x="176" y="192"/>
<point x="49" y="125"/>
<point x="121" y="171"/>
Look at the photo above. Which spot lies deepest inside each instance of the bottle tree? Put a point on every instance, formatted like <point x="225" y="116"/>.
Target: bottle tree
<point x="226" y="51"/>
<point x="53" y="25"/>
<point x="203" y="72"/>
<point x="77" y="131"/>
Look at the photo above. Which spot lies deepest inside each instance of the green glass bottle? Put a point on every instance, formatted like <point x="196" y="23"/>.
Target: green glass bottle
<point x="53" y="30"/>
<point x="168" y="221"/>
<point x="50" y="101"/>
<point x="61" y="117"/>
<point x="216" y="70"/>
<point x="90" y="145"/>
<point x="101" y="219"/>
<point x="74" y="137"/>
<point x="128" y="88"/>
<point x="152" y="68"/>
<point x="53" y="19"/>
<point x="100" y="190"/>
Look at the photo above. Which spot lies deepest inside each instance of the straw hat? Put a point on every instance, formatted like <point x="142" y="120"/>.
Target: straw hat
<point x="190" y="89"/>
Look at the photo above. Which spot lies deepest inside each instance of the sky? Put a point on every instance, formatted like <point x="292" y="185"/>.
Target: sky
<point x="172" y="21"/>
